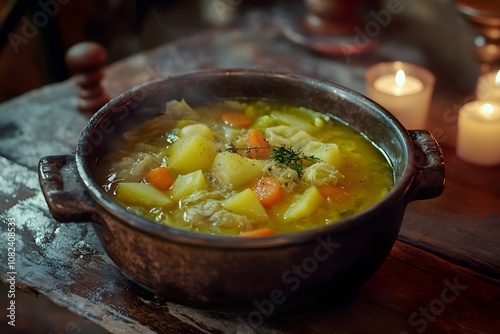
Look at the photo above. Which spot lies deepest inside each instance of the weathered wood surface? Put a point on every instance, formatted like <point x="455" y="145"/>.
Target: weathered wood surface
<point x="450" y="240"/>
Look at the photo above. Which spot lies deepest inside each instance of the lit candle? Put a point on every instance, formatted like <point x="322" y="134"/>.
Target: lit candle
<point x="478" y="138"/>
<point x="403" y="89"/>
<point x="398" y="84"/>
<point x="488" y="86"/>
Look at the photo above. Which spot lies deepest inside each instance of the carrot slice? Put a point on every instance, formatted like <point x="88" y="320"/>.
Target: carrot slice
<point x="268" y="190"/>
<point x="258" y="146"/>
<point x="237" y="120"/>
<point x="160" y="178"/>
<point x="333" y="192"/>
<point x="260" y="232"/>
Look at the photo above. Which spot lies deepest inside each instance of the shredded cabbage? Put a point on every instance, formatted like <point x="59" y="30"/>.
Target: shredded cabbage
<point x="321" y="173"/>
<point x="288" y="136"/>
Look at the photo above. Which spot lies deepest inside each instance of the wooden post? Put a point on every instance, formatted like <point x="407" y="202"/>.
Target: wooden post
<point x="86" y="61"/>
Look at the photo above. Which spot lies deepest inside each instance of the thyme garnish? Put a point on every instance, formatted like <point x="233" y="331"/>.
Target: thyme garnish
<point x="287" y="156"/>
<point x="293" y="159"/>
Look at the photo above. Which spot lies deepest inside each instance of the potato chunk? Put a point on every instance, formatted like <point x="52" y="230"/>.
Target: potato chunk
<point x="141" y="194"/>
<point x="191" y="153"/>
<point x="200" y="129"/>
<point x="246" y="203"/>
<point x="187" y="184"/>
<point x="235" y="169"/>
<point x="305" y="205"/>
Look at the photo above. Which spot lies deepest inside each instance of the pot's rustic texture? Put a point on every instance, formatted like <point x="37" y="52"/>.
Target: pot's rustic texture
<point x="240" y="273"/>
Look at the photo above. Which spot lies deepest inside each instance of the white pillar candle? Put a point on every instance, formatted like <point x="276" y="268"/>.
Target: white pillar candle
<point x="398" y="85"/>
<point x="403" y="89"/>
<point x="478" y="138"/>
<point x="488" y="86"/>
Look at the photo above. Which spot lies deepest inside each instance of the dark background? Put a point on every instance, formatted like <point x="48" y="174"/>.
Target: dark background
<point x="124" y="27"/>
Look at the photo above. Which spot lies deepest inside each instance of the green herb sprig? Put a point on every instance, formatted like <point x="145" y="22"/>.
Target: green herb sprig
<point x="293" y="159"/>
<point x="287" y="156"/>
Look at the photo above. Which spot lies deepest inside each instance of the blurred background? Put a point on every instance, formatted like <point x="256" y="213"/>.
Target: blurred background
<point x="35" y="34"/>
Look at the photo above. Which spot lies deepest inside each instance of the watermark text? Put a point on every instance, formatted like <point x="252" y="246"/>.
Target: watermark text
<point x="11" y="274"/>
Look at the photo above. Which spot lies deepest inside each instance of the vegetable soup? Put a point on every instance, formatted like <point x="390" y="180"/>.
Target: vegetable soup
<point x="244" y="168"/>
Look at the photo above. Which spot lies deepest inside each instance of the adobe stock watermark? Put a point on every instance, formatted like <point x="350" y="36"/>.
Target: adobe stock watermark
<point x="107" y="126"/>
<point x="421" y="318"/>
<point x="30" y="28"/>
<point x="11" y="265"/>
<point x="450" y="116"/>
<point x="293" y="279"/>
<point x="372" y="29"/>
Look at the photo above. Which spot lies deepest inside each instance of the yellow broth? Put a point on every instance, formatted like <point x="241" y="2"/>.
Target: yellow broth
<point x="356" y="173"/>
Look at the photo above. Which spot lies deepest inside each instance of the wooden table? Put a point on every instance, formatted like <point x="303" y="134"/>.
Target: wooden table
<point x="442" y="276"/>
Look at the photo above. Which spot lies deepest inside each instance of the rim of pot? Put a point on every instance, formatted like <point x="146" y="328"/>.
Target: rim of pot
<point x="395" y="194"/>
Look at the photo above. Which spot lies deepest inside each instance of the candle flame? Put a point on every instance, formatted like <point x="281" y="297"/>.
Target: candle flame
<point x="400" y="78"/>
<point x="487" y="109"/>
<point x="497" y="79"/>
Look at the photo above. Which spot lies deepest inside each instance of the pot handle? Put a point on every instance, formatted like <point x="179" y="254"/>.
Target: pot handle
<point x="65" y="195"/>
<point x="429" y="162"/>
